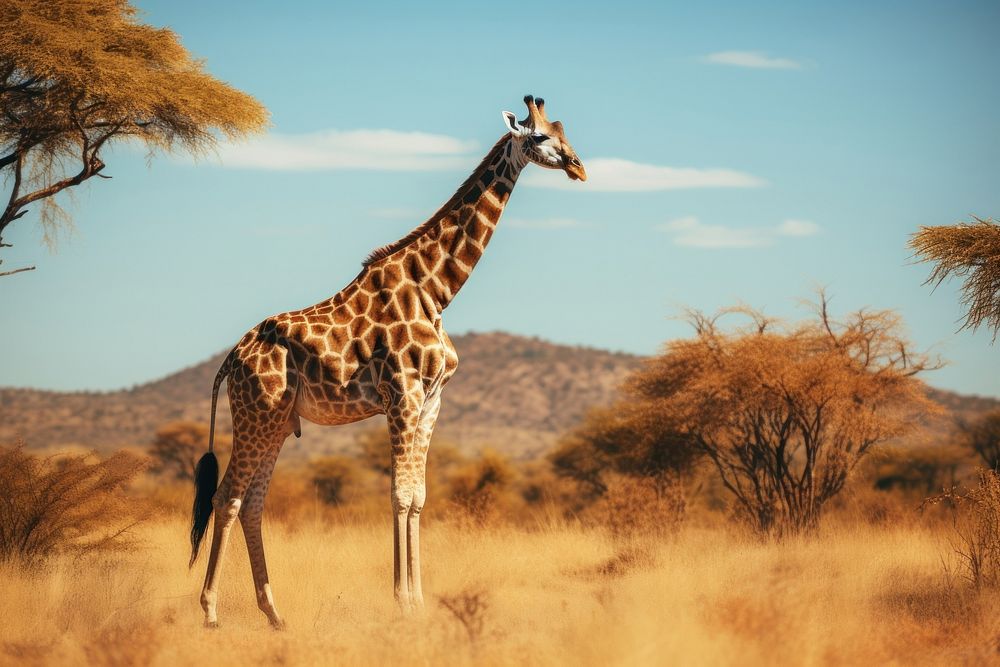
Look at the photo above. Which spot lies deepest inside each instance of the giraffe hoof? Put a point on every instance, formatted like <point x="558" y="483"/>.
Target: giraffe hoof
<point x="212" y="625"/>
<point x="278" y="625"/>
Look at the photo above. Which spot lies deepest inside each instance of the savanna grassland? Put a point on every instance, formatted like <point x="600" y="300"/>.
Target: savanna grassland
<point x="636" y="538"/>
<point x="548" y="592"/>
<point x="879" y="582"/>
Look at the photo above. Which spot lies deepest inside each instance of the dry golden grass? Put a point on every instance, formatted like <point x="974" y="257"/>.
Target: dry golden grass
<point x="551" y="594"/>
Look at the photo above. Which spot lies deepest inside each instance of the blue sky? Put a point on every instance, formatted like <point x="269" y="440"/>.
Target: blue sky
<point x="738" y="152"/>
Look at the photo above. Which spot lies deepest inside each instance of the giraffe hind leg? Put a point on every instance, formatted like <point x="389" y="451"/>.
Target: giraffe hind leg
<point x="249" y="451"/>
<point x="251" y="517"/>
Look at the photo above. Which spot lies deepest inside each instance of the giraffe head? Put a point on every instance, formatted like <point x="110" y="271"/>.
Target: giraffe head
<point x="542" y="141"/>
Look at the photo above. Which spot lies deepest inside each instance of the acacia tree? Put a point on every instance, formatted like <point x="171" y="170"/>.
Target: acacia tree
<point x="78" y="75"/>
<point x="786" y="412"/>
<point x="971" y="251"/>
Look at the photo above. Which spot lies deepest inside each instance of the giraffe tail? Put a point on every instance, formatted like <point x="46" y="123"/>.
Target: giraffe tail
<point x="206" y="479"/>
<point x="206" y="473"/>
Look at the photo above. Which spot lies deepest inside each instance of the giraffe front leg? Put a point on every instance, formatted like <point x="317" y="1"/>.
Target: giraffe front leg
<point x="413" y="552"/>
<point x="422" y="443"/>
<point x="404" y="418"/>
<point x="400" y="555"/>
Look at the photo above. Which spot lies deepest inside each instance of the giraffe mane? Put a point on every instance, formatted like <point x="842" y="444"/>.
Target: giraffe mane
<point x="432" y="222"/>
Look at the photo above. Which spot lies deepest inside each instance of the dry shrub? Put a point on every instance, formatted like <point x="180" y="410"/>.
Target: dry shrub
<point x="481" y="489"/>
<point x="71" y="503"/>
<point x="632" y="506"/>
<point x="468" y="607"/>
<point x="870" y="507"/>
<point x="178" y="445"/>
<point x="918" y="471"/>
<point x="333" y="478"/>
<point x="977" y="530"/>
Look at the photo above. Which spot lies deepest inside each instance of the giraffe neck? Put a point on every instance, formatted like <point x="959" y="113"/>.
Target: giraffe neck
<point x="446" y="254"/>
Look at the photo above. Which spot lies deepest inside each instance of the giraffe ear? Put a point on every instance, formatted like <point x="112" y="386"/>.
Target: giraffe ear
<point x="510" y="120"/>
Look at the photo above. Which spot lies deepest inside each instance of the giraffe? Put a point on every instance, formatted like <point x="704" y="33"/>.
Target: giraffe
<point x="375" y="347"/>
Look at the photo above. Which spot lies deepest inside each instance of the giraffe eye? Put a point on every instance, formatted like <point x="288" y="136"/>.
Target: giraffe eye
<point x="538" y="137"/>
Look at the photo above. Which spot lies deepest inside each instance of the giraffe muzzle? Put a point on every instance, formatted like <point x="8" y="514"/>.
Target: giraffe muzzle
<point x="574" y="169"/>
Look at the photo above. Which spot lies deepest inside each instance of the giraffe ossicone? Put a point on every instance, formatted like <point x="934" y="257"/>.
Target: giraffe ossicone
<point x="375" y="347"/>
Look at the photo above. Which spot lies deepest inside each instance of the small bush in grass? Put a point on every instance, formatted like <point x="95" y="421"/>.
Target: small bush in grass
<point x="632" y="506"/>
<point x="977" y="530"/>
<point x="333" y="477"/>
<point x="72" y="503"/>
<point x="481" y="488"/>
<point x="178" y="445"/>
<point x="469" y="608"/>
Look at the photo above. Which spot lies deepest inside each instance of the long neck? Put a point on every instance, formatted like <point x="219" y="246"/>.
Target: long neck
<point x="445" y="255"/>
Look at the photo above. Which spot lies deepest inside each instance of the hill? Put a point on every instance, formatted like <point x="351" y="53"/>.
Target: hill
<point x="512" y="393"/>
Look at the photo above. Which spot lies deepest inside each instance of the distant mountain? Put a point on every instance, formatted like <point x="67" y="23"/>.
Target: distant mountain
<point x="512" y="393"/>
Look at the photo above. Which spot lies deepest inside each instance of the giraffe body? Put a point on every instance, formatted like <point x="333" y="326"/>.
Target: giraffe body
<point x="376" y="347"/>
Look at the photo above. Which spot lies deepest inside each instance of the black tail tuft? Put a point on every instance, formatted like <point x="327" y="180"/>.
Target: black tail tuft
<point x="206" y="479"/>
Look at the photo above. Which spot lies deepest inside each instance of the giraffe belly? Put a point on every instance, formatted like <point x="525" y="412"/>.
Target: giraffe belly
<point x="331" y="408"/>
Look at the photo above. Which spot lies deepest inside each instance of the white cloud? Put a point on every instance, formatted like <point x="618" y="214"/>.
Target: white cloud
<point x="541" y="223"/>
<point x="690" y="231"/>
<point x="618" y="175"/>
<point x="755" y="59"/>
<point x="387" y="150"/>
<point x="798" y="228"/>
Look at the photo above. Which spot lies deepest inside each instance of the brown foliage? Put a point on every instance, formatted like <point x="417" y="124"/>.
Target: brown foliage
<point x="922" y="470"/>
<point x="333" y="477"/>
<point x="639" y="506"/>
<point x="628" y="439"/>
<point x="982" y="436"/>
<point x="971" y="251"/>
<point x="78" y="75"/>
<point x="786" y="412"/>
<point x="71" y="503"/>
<point x="480" y="489"/>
